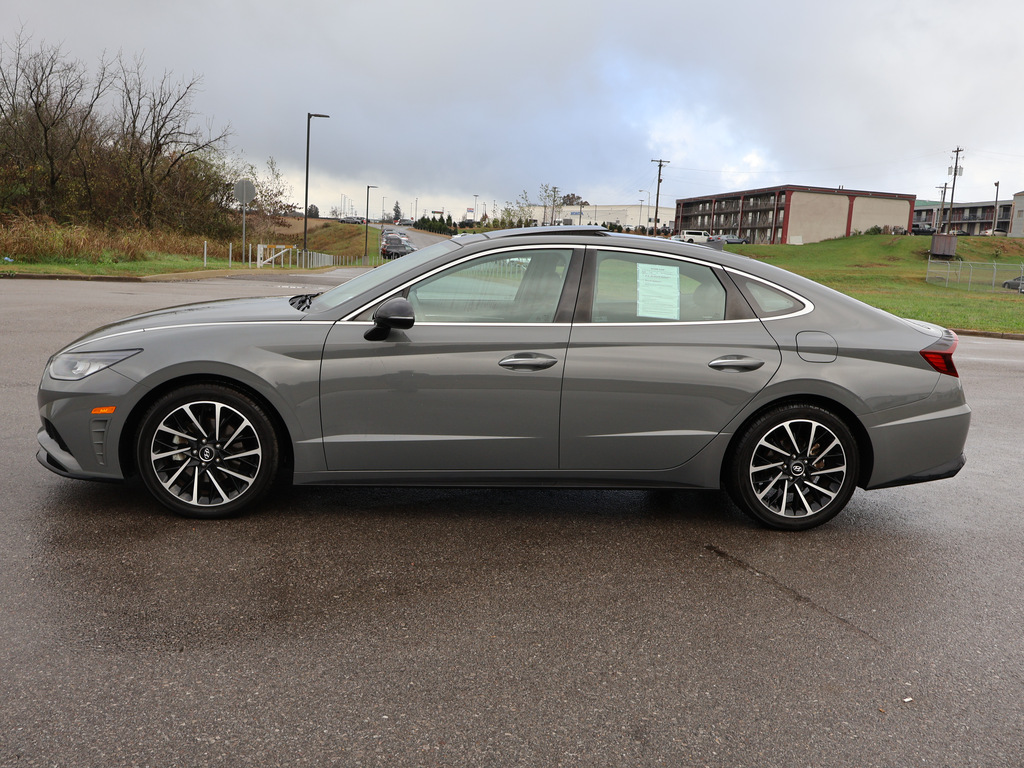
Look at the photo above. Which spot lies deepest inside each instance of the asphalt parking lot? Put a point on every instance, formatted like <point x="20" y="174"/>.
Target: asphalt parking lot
<point x="370" y="627"/>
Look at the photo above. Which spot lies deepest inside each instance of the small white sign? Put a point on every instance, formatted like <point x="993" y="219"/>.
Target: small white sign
<point x="657" y="291"/>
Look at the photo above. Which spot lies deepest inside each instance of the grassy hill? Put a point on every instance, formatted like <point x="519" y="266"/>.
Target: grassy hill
<point x="889" y="272"/>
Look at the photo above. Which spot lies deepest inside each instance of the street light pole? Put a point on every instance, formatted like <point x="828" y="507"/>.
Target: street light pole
<point x="305" y="205"/>
<point x="366" y="238"/>
<point x="995" y="213"/>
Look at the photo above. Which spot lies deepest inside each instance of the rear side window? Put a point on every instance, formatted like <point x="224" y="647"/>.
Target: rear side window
<point x="644" y="288"/>
<point x="767" y="300"/>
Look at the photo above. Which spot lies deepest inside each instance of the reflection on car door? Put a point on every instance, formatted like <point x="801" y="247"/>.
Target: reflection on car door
<point x="655" y="369"/>
<point x="474" y="384"/>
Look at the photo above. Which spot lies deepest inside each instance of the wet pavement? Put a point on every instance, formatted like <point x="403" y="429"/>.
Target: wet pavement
<point x="376" y="627"/>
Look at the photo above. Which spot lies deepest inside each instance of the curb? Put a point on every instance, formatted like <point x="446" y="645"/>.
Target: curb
<point x="989" y="334"/>
<point x="168" y="277"/>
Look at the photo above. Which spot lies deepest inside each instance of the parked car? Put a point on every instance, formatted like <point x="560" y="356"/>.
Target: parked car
<point x="1014" y="284"/>
<point x="396" y="250"/>
<point x="994" y="232"/>
<point x="922" y="229"/>
<point x="390" y="240"/>
<point x="729" y="239"/>
<point x="551" y="356"/>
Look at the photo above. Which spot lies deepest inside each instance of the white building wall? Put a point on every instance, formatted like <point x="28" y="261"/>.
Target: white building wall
<point x="630" y="216"/>
<point x="1017" y="216"/>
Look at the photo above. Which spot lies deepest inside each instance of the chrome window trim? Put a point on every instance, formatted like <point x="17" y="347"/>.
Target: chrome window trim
<point x="659" y="254"/>
<point x="808" y="305"/>
<point x="649" y="323"/>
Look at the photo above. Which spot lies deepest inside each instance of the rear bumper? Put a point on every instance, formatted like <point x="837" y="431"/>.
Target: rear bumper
<point x="935" y="473"/>
<point x="922" y="446"/>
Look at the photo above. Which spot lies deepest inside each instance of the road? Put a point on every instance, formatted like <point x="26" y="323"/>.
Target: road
<point x="445" y="627"/>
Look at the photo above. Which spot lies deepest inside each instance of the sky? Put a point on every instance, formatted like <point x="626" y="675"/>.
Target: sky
<point x="438" y="105"/>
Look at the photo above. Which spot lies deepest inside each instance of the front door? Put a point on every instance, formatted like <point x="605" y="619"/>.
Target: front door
<point x="473" y="385"/>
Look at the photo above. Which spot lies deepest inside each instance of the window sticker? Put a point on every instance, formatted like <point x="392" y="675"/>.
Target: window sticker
<point x="657" y="291"/>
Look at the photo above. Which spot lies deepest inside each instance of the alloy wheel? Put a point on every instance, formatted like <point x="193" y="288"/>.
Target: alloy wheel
<point x="205" y="453"/>
<point x="798" y="468"/>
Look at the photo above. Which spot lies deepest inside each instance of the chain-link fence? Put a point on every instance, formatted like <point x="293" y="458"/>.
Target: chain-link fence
<point x="976" y="276"/>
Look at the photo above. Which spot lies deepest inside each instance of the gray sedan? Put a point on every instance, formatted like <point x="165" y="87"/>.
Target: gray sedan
<point x="564" y="356"/>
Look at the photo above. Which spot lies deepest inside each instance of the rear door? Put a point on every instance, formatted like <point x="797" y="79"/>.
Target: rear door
<point x="663" y="354"/>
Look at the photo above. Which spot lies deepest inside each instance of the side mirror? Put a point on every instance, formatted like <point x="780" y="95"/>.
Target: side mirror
<point x="394" y="313"/>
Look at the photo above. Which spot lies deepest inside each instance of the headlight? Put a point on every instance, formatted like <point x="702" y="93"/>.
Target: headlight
<point x="74" y="366"/>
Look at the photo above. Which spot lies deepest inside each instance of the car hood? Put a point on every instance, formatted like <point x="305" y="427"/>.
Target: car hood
<point x="261" y="309"/>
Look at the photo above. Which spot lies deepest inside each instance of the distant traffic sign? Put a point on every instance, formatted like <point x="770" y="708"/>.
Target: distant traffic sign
<point x="245" y="191"/>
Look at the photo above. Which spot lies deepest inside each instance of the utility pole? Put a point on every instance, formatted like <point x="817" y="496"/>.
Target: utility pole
<point x="657" y="195"/>
<point x="942" y="206"/>
<point x="956" y="170"/>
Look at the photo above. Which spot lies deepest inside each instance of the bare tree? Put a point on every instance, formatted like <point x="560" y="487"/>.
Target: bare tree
<point x="157" y="134"/>
<point x="47" y="106"/>
<point x="519" y="211"/>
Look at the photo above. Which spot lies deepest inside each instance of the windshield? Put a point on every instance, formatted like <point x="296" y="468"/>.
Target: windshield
<point x="369" y="280"/>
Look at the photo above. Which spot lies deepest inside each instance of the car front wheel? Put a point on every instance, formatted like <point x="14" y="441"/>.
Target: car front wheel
<point x="795" y="467"/>
<point x="206" y="451"/>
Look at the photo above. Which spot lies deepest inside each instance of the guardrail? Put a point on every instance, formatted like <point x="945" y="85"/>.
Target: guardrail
<point x="975" y="275"/>
<point x="291" y="257"/>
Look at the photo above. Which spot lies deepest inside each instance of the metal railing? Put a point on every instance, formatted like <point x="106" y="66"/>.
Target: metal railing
<point x="974" y="275"/>
<point x="291" y="257"/>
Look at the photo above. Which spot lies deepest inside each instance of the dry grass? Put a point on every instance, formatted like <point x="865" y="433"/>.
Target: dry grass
<point x="34" y="241"/>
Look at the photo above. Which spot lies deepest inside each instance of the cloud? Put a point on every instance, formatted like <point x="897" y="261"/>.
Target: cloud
<point x="438" y="103"/>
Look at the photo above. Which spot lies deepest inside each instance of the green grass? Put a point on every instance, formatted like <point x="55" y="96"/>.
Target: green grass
<point x="889" y="272"/>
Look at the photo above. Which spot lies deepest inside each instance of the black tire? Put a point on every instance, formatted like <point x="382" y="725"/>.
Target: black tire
<point x="795" y="467"/>
<point x="206" y="451"/>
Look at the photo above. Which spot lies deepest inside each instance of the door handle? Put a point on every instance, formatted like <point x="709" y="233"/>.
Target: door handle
<point x="735" y="363"/>
<point x="528" y="361"/>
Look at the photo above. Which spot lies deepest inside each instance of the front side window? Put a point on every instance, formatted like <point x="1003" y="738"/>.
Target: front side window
<point x="520" y="286"/>
<point x="643" y="288"/>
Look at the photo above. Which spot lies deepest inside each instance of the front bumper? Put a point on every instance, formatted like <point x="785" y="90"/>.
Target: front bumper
<point x="75" y="440"/>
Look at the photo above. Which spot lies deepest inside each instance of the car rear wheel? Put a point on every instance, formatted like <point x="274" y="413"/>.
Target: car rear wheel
<point x="206" y="451"/>
<point x="795" y="467"/>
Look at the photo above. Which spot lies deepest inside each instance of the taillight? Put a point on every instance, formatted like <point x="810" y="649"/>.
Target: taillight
<point x="940" y="354"/>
